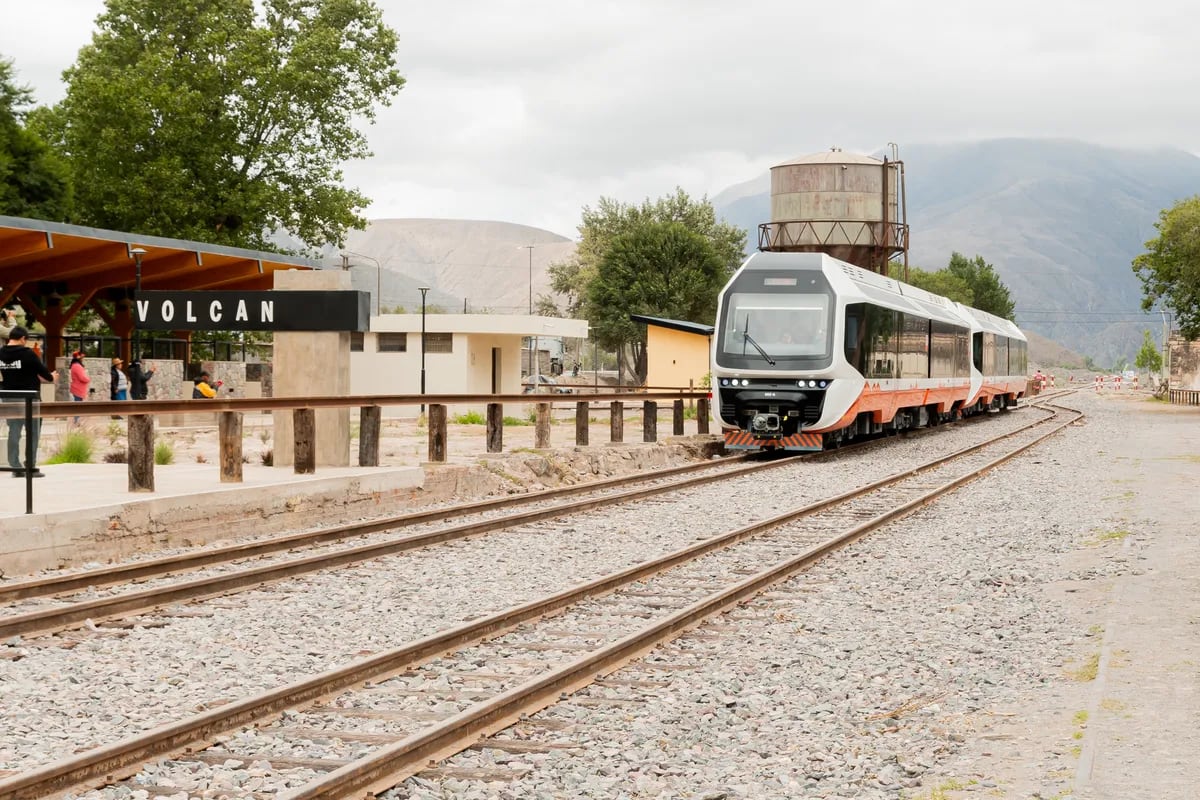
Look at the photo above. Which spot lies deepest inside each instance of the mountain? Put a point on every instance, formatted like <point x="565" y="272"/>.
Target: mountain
<point x="1061" y="221"/>
<point x="476" y="265"/>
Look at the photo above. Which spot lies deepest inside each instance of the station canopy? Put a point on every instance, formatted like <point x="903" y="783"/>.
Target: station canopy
<point x="54" y="271"/>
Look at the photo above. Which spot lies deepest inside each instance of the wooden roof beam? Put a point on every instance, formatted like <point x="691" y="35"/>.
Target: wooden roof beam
<point x="79" y="262"/>
<point x="15" y="244"/>
<point x="158" y="267"/>
<point x="214" y="275"/>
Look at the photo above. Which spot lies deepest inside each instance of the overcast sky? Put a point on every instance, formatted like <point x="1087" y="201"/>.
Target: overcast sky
<point x="527" y="111"/>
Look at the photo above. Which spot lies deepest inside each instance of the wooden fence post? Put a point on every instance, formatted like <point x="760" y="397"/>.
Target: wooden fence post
<point x="141" y="453"/>
<point x="702" y="415"/>
<point x="229" y="437"/>
<point x="304" y="427"/>
<point x="495" y="427"/>
<point x="541" y="430"/>
<point x="437" y="433"/>
<point x="370" y="421"/>
<point x="616" y="422"/>
<point x="677" y="419"/>
<point x="581" y="423"/>
<point x="649" y="421"/>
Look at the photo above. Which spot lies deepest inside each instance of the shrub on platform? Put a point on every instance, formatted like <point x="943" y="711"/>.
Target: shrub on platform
<point x="163" y="453"/>
<point x="76" y="448"/>
<point x="116" y="457"/>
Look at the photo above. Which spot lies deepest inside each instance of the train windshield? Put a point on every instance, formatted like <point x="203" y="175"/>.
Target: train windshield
<point x="781" y="325"/>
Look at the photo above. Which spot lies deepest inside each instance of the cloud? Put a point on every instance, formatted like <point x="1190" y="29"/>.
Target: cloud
<point x="528" y="110"/>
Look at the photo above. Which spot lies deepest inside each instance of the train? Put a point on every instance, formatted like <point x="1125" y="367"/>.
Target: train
<point x="809" y="352"/>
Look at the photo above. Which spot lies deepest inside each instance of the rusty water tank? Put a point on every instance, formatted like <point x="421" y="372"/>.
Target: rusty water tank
<point x="847" y="205"/>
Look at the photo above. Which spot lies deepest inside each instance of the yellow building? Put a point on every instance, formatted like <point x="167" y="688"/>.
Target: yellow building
<point x="677" y="352"/>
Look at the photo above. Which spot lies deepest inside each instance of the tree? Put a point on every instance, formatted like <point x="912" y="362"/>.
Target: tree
<point x="1148" y="358"/>
<point x="204" y="120"/>
<point x="940" y="282"/>
<point x="1170" y="268"/>
<point x="611" y="218"/>
<point x="659" y="268"/>
<point x="600" y="230"/>
<point x="34" y="181"/>
<point x="988" y="292"/>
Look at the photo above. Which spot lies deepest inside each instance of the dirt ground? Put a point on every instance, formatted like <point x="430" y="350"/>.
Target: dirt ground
<point x="1132" y="730"/>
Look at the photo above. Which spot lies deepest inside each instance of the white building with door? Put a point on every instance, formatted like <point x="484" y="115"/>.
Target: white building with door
<point x="464" y="353"/>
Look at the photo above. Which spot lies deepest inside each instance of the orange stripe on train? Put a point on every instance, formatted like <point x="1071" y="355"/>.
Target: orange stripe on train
<point x="808" y="441"/>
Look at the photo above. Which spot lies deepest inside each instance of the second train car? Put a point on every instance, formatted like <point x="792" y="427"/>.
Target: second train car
<point x="810" y="351"/>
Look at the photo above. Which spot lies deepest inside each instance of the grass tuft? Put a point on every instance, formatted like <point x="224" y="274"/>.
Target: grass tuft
<point x="1087" y="671"/>
<point x="164" y="453"/>
<point x="76" y="448"/>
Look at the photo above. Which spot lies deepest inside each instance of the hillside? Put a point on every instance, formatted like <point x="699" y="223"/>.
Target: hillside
<point x="485" y="265"/>
<point x="1060" y="220"/>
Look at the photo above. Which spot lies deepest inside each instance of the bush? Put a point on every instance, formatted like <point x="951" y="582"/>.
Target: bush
<point x="76" y="448"/>
<point x="116" y="457"/>
<point x="164" y="453"/>
<point x="268" y="457"/>
<point x="516" y="421"/>
<point x="469" y="418"/>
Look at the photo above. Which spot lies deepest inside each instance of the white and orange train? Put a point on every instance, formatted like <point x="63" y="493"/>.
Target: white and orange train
<point x="810" y="351"/>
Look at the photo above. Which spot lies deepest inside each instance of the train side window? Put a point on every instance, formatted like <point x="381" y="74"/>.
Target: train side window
<point x="977" y="350"/>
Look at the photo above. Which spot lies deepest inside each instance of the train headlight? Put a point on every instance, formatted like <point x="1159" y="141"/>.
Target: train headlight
<point x="823" y="384"/>
<point x="812" y="384"/>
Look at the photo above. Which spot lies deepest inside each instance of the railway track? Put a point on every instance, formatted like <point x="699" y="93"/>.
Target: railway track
<point x="438" y="695"/>
<point x="73" y="600"/>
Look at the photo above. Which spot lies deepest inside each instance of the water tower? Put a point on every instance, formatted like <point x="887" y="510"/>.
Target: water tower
<point x="848" y="206"/>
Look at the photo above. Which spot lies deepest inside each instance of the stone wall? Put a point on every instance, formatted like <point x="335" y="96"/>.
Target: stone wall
<point x="1185" y="363"/>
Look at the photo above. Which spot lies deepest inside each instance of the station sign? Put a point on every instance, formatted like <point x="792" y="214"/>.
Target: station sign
<point x="252" y="311"/>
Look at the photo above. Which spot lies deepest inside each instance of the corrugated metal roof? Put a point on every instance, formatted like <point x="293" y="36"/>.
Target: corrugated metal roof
<point x="832" y="157"/>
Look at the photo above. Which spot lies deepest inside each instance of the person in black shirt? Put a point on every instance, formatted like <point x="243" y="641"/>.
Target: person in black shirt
<point x="22" y="370"/>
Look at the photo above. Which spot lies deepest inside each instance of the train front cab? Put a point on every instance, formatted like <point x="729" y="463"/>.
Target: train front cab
<point x="771" y="354"/>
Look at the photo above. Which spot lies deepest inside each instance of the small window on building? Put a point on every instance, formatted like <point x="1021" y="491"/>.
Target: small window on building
<point x="356" y="341"/>
<point x="439" y="343"/>
<point x="392" y="343"/>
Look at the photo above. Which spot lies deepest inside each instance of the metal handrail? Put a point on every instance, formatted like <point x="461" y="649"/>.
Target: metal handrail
<point x="29" y="397"/>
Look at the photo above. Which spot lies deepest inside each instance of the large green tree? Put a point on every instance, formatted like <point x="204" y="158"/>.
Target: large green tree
<point x="34" y="181"/>
<point x="611" y="218"/>
<point x="658" y="268"/>
<point x="224" y="120"/>
<point x="988" y="292"/>
<point x="586" y="280"/>
<point x="1170" y="268"/>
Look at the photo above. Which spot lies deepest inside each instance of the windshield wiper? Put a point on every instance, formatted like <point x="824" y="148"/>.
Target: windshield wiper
<point x="761" y="352"/>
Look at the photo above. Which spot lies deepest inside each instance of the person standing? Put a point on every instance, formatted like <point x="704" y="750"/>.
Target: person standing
<point x="22" y="370"/>
<point x="79" y="378"/>
<point x="203" y="387"/>
<point x="118" y="388"/>
<point x="138" y="380"/>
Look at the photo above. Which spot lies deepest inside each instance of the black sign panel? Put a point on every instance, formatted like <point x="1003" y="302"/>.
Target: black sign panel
<point x="252" y="311"/>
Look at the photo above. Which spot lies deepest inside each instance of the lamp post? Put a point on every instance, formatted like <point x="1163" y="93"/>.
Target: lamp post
<point x="137" y="253"/>
<point x="423" y="290"/>
<point x="378" y="275"/>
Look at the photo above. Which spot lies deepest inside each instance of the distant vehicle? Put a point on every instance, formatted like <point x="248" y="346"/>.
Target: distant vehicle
<point x="1129" y="374"/>
<point x="544" y="384"/>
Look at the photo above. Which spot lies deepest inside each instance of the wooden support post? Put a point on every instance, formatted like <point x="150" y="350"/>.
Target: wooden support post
<point x="649" y="421"/>
<point x="541" y="429"/>
<point x="370" y="420"/>
<point x="229" y="437"/>
<point x="581" y="423"/>
<point x="437" y="433"/>
<point x="702" y="415"/>
<point x="616" y="422"/>
<point x="140" y="454"/>
<point x="677" y="419"/>
<point x="495" y="427"/>
<point x="304" y="428"/>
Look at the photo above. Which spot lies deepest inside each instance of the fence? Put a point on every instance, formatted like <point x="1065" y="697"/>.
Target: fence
<point x="141" y="416"/>
<point x="1184" y="397"/>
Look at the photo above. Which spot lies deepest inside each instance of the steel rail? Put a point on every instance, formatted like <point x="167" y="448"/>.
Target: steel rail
<point x="120" y="759"/>
<point x="154" y="598"/>
<point x="386" y="767"/>
<point x="63" y="584"/>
